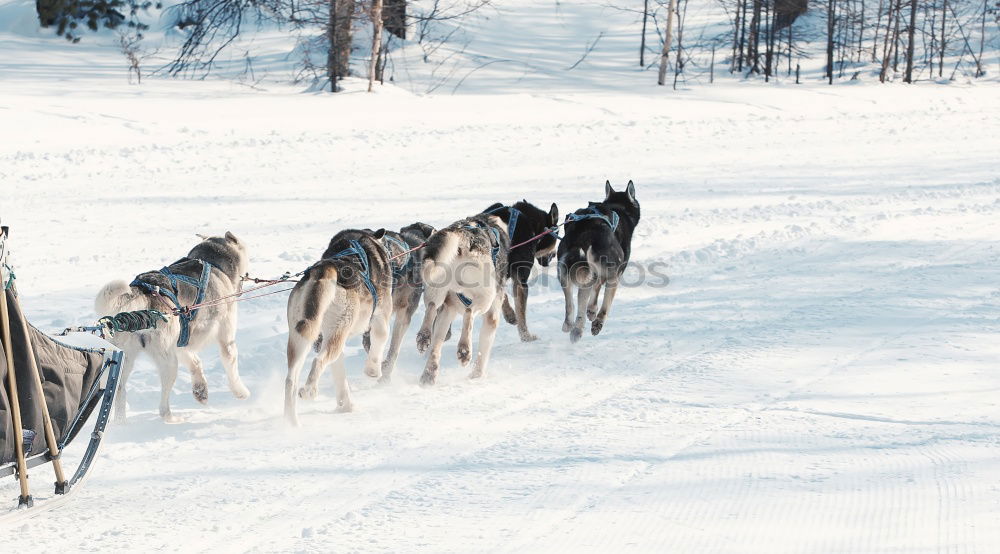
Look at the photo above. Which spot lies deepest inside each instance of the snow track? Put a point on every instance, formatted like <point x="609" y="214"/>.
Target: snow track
<point x="819" y="376"/>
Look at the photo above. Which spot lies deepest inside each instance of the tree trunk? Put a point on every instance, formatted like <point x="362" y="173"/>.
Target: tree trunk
<point x="895" y="38"/>
<point x="342" y="15"/>
<point x="376" y="41"/>
<point x="743" y="37"/>
<point x="982" y="42"/>
<point x="830" y="28"/>
<point x="767" y="41"/>
<point x="736" y="35"/>
<point x="394" y="17"/>
<point x="665" y="54"/>
<point x="331" y="52"/>
<point x="944" y="39"/>
<point x="909" y="45"/>
<point x="642" y="41"/>
<point x="753" y="43"/>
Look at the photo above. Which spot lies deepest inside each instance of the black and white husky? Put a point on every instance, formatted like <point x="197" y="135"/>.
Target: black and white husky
<point x="347" y="292"/>
<point x="405" y="257"/>
<point x="464" y="272"/>
<point x="524" y="222"/>
<point x="211" y="270"/>
<point x="593" y="253"/>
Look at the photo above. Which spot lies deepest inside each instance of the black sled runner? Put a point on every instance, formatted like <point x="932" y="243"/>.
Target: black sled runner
<point x="48" y="392"/>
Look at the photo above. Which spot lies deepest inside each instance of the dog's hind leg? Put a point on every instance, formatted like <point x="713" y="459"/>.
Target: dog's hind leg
<point x="330" y="351"/>
<point x="521" y="305"/>
<point x="166" y="363"/>
<point x="582" y="300"/>
<point x="230" y="355"/>
<point x="592" y="306"/>
<point x="491" y="319"/>
<point x="199" y="386"/>
<point x="298" y="349"/>
<point x="508" y="312"/>
<point x="379" y="332"/>
<point x="609" y="297"/>
<point x="399" y="326"/>
<point x="431" y="310"/>
<point x="567" y="287"/>
<point x="465" y="341"/>
<point x="344" y="402"/>
<point x="441" y="327"/>
<point x="128" y="364"/>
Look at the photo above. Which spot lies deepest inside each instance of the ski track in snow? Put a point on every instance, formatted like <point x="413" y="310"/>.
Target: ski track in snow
<point x="819" y="376"/>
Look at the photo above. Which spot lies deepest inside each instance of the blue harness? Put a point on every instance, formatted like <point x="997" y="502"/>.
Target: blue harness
<point x="515" y="214"/>
<point x="366" y="275"/>
<point x="399" y="269"/>
<point x="494" y="250"/>
<point x="186" y="315"/>
<point x="595" y="214"/>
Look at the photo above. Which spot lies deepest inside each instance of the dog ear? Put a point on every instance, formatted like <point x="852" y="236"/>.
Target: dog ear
<point x="201" y="236"/>
<point x="379" y="234"/>
<point x="553" y="214"/>
<point x="608" y="191"/>
<point x="631" y="191"/>
<point x="231" y="237"/>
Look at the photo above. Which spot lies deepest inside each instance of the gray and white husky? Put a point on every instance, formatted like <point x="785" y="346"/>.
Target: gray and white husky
<point x="464" y="272"/>
<point x="405" y="250"/>
<point x="347" y="292"/>
<point x="217" y="262"/>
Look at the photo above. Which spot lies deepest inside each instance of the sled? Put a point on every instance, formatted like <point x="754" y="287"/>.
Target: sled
<point x="49" y="391"/>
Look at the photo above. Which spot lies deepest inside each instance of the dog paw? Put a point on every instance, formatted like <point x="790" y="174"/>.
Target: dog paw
<point x="240" y="391"/>
<point x="373" y="371"/>
<point x="423" y="340"/>
<point x="427" y="378"/>
<point x="567" y="326"/>
<point x="345" y="407"/>
<point x="575" y="334"/>
<point x="200" y="392"/>
<point x="591" y="313"/>
<point x="366" y="341"/>
<point x="464" y="354"/>
<point x="509" y="315"/>
<point x="171" y="418"/>
<point x="477" y="374"/>
<point x="307" y="393"/>
<point x="528" y="337"/>
<point x="385" y="379"/>
<point x="595" y="328"/>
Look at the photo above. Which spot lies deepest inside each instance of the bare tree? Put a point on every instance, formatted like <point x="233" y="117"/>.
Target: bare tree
<point x="665" y="53"/>
<point x="376" y="16"/>
<point x="909" y="46"/>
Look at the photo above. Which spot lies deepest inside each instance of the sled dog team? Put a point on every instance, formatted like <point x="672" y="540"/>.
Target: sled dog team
<point x="370" y="283"/>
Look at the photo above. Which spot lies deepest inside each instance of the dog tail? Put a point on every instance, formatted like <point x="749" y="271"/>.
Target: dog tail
<point x="117" y="296"/>
<point x="439" y="254"/>
<point x="309" y="301"/>
<point x="604" y="267"/>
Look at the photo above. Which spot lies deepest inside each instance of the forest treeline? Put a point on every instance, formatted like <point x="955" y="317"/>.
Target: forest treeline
<point x="903" y="40"/>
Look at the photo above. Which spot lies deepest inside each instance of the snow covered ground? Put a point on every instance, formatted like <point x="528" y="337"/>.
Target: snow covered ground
<point x="820" y="374"/>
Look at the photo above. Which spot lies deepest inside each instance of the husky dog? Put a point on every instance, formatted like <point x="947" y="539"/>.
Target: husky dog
<point x="405" y="256"/>
<point x="525" y="221"/>
<point x="344" y="294"/>
<point x="593" y="253"/>
<point x="211" y="270"/>
<point x="464" y="271"/>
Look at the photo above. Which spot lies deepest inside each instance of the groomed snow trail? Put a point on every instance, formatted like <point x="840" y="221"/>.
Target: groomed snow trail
<point x="819" y="375"/>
